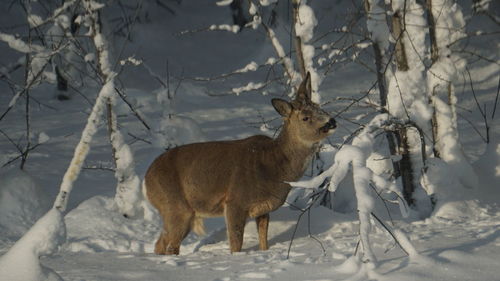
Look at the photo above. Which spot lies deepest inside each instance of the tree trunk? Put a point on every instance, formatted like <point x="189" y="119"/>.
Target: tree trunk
<point x="398" y="33"/>
<point x="405" y="165"/>
<point x="434" y="58"/>
<point x="298" y="41"/>
<point x="432" y="32"/>
<point x="382" y="88"/>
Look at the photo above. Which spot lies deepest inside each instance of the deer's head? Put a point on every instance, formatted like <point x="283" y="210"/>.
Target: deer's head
<point x="304" y="119"/>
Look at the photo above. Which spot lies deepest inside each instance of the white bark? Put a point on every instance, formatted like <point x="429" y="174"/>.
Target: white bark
<point x="83" y="147"/>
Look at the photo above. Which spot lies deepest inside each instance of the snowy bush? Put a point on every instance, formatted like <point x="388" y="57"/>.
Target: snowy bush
<point x="365" y="182"/>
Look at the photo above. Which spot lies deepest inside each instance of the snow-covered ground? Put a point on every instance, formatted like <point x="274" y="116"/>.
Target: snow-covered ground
<point x="461" y="242"/>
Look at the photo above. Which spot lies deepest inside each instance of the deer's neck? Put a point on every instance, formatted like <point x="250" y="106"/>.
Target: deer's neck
<point x="296" y="154"/>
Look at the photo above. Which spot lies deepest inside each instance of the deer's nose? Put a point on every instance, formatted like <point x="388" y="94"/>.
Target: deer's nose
<point x="332" y="124"/>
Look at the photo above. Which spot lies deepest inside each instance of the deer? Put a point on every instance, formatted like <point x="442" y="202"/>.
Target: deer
<point x="237" y="179"/>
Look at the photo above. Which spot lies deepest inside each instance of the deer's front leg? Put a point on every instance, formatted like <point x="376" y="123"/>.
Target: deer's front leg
<point x="235" y="223"/>
<point x="262" y="227"/>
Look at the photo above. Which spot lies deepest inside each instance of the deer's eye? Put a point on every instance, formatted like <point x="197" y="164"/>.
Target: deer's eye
<point x="305" y="119"/>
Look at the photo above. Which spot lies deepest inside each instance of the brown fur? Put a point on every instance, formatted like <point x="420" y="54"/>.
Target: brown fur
<point x="236" y="179"/>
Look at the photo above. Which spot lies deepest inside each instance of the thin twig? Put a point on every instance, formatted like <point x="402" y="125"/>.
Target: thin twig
<point x="483" y="112"/>
<point x="496" y="99"/>
<point x="390" y="232"/>
<point x="134" y="111"/>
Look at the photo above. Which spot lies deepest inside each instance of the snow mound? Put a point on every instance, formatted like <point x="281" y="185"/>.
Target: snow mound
<point x="96" y="225"/>
<point x="21" y="262"/>
<point x="450" y="196"/>
<point x="358" y="270"/>
<point x="21" y="203"/>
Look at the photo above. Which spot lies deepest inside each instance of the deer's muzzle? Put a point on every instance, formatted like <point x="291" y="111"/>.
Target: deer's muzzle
<point x="330" y="125"/>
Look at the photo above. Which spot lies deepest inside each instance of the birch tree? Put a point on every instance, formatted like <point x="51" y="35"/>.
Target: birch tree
<point x="407" y="97"/>
<point x="446" y="26"/>
<point x="403" y="92"/>
<point x="128" y="192"/>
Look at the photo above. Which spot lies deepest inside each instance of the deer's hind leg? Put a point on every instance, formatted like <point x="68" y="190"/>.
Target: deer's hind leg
<point x="176" y="226"/>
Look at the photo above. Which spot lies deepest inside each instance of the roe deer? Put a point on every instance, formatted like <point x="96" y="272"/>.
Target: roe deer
<point x="235" y="179"/>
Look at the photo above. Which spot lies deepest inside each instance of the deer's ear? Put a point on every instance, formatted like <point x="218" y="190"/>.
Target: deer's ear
<point x="305" y="89"/>
<point x="283" y="107"/>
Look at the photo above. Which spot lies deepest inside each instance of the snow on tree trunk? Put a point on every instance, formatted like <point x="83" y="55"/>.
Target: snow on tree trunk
<point x="407" y="96"/>
<point x="305" y="21"/>
<point x="128" y="195"/>
<point x="380" y="35"/>
<point x="447" y="24"/>
<point x="292" y="75"/>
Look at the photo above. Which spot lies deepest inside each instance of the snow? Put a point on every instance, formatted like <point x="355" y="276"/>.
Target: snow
<point x="451" y="28"/>
<point x="252" y="10"/>
<point x="43" y="137"/>
<point x="39" y="59"/>
<point x="481" y="6"/>
<point x="224" y="2"/>
<point x="460" y="241"/>
<point x="34" y="20"/>
<point x="407" y="98"/>
<point x="450" y="148"/>
<point x="128" y="193"/>
<point x="304" y="27"/>
<point x="251" y="86"/>
<point x="267" y="2"/>
<point x="21" y="262"/>
<point x="225" y="27"/>
<point x="252" y="66"/>
<point x="19" y="45"/>
<point x="102" y="213"/>
<point x="89" y="57"/>
<point x="377" y="26"/>
<point x="130" y="60"/>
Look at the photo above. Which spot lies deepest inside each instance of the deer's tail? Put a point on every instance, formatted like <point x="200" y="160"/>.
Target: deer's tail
<point x="144" y="194"/>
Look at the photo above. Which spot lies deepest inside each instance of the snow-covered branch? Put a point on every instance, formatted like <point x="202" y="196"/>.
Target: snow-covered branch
<point x="286" y="62"/>
<point x="83" y="147"/>
<point x="305" y="22"/>
<point x="355" y="156"/>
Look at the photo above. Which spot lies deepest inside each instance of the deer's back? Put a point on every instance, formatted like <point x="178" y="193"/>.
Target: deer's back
<point x="205" y="175"/>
